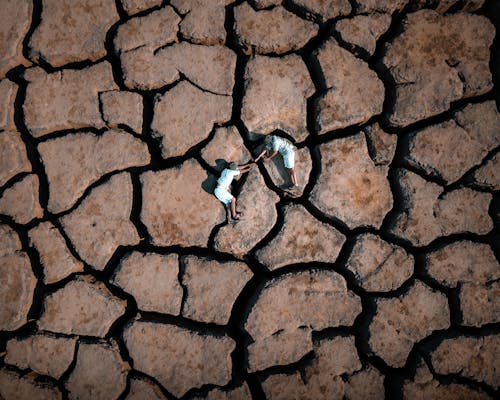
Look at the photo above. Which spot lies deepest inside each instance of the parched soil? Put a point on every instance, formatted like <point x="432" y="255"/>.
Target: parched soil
<point x="378" y="277"/>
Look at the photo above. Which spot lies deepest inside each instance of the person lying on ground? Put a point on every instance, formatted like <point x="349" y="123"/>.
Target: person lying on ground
<point x="222" y="191"/>
<point x="274" y="145"/>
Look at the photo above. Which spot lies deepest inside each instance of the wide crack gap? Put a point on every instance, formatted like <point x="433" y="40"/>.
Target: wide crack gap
<point x="30" y="144"/>
<point x="36" y="19"/>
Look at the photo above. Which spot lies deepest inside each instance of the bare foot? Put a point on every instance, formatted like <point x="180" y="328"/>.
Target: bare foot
<point x="237" y="216"/>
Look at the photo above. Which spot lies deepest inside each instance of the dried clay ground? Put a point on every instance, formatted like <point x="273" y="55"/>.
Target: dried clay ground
<point x="377" y="278"/>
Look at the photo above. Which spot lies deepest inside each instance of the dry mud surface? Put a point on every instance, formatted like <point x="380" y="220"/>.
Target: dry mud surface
<point x="379" y="278"/>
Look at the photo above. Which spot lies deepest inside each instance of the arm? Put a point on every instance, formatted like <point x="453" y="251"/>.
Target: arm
<point x="246" y="167"/>
<point x="274" y="152"/>
<point x="260" y="155"/>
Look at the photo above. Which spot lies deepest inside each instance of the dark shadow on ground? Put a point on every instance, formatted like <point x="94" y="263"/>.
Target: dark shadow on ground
<point x="208" y="185"/>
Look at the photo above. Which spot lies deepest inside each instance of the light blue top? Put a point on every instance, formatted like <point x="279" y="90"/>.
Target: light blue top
<point x="280" y="145"/>
<point x="227" y="176"/>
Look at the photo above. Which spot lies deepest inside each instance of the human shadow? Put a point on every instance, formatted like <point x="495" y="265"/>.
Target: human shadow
<point x="209" y="184"/>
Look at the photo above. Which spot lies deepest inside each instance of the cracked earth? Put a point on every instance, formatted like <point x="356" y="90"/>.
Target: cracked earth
<point x="121" y="279"/>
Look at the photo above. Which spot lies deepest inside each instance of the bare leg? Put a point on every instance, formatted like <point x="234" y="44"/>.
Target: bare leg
<point x="228" y="212"/>
<point x="293" y="177"/>
<point x="235" y="214"/>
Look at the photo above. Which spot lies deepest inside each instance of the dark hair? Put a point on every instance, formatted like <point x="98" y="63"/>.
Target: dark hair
<point x="233" y="166"/>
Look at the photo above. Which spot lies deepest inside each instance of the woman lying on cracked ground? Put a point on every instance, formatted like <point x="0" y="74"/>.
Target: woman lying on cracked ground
<point x="273" y="145"/>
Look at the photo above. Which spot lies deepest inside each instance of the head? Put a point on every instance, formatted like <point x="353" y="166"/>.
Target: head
<point x="268" y="139"/>
<point x="233" y="166"/>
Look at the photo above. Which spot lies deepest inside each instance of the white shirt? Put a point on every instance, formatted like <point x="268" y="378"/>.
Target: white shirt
<point x="227" y="176"/>
<point x="280" y="145"/>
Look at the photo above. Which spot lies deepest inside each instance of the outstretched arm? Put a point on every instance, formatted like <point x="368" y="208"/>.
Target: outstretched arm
<point x="260" y="155"/>
<point x="246" y="167"/>
<point x="273" y="153"/>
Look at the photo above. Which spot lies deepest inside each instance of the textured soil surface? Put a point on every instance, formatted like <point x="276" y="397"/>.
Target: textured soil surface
<point x="379" y="277"/>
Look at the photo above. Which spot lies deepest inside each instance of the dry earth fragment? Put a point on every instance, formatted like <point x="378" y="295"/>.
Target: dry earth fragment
<point x="379" y="6"/>
<point x="67" y="99"/>
<point x="16" y="387"/>
<point x="203" y="20"/>
<point x="142" y="32"/>
<point x="428" y="215"/>
<point x="13" y="157"/>
<point x="488" y="176"/>
<point x="281" y="348"/>
<point x="152" y="280"/>
<point x="240" y="393"/>
<point x="212" y="288"/>
<point x="76" y="160"/>
<point x="16" y="290"/>
<point x="479" y="303"/>
<point x="276" y="91"/>
<point x="148" y="63"/>
<point x="354" y="91"/>
<point x="21" y="200"/>
<point x="401" y="322"/>
<point x="367" y="384"/>
<point x="43" y="354"/>
<point x="298" y="241"/>
<point x="363" y="30"/>
<point x="15" y="21"/>
<point x="258" y="204"/>
<point x="326" y="9"/>
<point x="470" y="357"/>
<point x="132" y="7"/>
<point x="8" y="93"/>
<point x="463" y="261"/>
<point x="303" y="165"/>
<point x="295" y="302"/>
<point x="81" y="307"/>
<point x="377" y="265"/>
<point x="292" y="387"/>
<point x="381" y="145"/>
<point x="442" y="6"/>
<point x="226" y="146"/>
<point x="259" y="4"/>
<point x="334" y="373"/>
<point x="56" y="259"/>
<point x="178" y="358"/>
<point x="473" y="268"/>
<point x="122" y="108"/>
<point x="99" y="374"/>
<point x="351" y="187"/>
<point x="440" y="148"/>
<point x="271" y="31"/>
<point x="101" y="222"/>
<point x="333" y="357"/>
<point x="185" y="115"/>
<point x="437" y="60"/>
<point x="72" y="31"/>
<point x="165" y="212"/>
<point x="210" y="67"/>
<point x="10" y="241"/>
<point x="144" y="389"/>
<point x="424" y="386"/>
